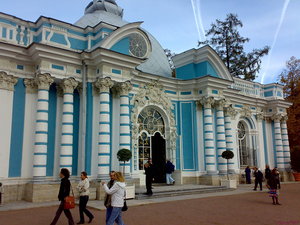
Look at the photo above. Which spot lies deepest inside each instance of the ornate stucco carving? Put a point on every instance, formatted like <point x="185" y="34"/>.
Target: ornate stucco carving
<point x="284" y="118"/>
<point x="44" y="81"/>
<point x="123" y="88"/>
<point x="246" y="111"/>
<point x="207" y="101"/>
<point x="152" y="94"/>
<point x="104" y="84"/>
<point x="230" y="111"/>
<point x="31" y="86"/>
<point x="220" y="104"/>
<point x="277" y="117"/>
<point x="7" y="82"/>
<point x="68" y="85"/>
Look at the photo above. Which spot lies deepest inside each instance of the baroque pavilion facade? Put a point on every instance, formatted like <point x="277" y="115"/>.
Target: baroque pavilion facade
<point x="72" y="95"/>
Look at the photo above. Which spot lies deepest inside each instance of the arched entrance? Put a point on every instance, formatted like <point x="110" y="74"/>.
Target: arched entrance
<point x="152" y="143"/>
<point x="247" y="152"/>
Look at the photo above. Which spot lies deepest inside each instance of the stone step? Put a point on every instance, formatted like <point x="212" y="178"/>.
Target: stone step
<point x="180" y="192"/>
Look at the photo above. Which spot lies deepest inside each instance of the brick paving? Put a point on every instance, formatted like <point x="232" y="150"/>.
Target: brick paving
<point x="239" y="209"/>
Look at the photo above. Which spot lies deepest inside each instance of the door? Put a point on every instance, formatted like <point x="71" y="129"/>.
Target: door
<point x="158" y="149"/>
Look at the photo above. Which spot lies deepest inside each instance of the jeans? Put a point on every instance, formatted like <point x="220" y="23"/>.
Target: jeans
<point x="108" y="213"/>
<point x="115" y="215"/>
<point x="169" y="178"/>
<point x="67" y="213"/>
<point x="82" y="208"/>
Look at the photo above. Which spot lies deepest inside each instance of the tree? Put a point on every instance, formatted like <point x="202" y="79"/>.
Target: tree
<point x="290" y="79"/>
<point x="227" y="155"/>
<point x="124" y="155"/>
<point x="229" y="44"/>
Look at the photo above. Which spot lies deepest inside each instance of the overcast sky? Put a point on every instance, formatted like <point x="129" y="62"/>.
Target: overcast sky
<point x="174" y="25"/>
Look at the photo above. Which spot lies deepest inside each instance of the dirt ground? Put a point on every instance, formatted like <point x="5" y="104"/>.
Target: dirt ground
<point x="244" y="209"/>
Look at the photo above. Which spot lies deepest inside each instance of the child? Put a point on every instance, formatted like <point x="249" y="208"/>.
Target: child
<point x="1" y="192"/>
<point x="273" y="185"/>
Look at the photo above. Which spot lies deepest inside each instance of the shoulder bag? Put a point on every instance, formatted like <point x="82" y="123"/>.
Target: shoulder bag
<point x="69" y="202"/>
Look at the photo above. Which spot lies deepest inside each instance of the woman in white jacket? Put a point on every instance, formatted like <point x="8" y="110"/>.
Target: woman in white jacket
<point x="117" y="192"/>
<point x="83" y="189"/>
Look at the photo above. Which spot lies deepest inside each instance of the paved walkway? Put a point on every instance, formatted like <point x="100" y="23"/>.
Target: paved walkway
<point x="240" y="207"/>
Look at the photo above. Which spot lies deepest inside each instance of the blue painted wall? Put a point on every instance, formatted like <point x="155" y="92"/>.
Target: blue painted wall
<point x="76" y="132"/>
<point x="188" y="135"/>
<point x="59" y="38"/>
<point x="193" y="70"/>
<point x="89" y="128"/>
<point x="121" y="46"/>
<point x="16" y="141"/>
<point x="51" y="130"/>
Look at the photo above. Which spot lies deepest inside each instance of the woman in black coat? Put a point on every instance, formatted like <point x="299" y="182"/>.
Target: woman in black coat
<point x="64" y="191"/>
<point x="273" y="185"/>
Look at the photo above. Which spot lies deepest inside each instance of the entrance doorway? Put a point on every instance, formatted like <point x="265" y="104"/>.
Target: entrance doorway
<point x="152" y="142"/>
<point x="158" y="149"/>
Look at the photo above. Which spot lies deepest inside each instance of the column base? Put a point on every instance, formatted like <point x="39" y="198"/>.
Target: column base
<point x="209" y="179"/>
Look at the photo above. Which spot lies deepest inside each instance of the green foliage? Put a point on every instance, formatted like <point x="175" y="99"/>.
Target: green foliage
<point x="290" y="79"/>
<point x="227" y="154"/>
<point x="229" y="44"/>
<point x="124" y="154"/>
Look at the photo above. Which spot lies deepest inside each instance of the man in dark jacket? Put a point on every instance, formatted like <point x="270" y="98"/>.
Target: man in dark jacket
<point x="169" y="170"/>
<point x="258" y="178"/>
<point x="149" y="171"/>
<point x="267" y="173"/>
<point x="107" y="201"/>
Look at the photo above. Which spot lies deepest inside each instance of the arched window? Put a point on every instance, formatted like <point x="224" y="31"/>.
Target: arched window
<point x="150" y="122"/>
<point x="244" y="153"/>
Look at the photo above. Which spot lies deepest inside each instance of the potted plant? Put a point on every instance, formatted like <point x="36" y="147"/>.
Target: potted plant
<point x="229" y="183"/>
<point x="124" y="155"/>
<point x="295" y="162"/>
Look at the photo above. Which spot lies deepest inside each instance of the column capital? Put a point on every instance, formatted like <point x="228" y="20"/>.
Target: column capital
<point x="220" y="103"/>
<point x="7" y="82"/>
<point x="44" y="81"/>
<point x="207" y="101"/>
<point x="260" y="116"/>
<point x="230" y="111"/>
<point x="284" y="118"/>
<point x="276" y="117"/>
<point x="104" y="84"/>
<point x="124" y="87"/>
<point x="30" y="84"/>
<point x="68" y="85"/>
<point x="246" y="111"/>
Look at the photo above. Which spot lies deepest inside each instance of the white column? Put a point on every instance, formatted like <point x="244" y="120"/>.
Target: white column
<point x="209" y="141"/>
<point x="7" y="83"/>
<point x="285" y="143"/>
<point x="278" y="141"/>
<point x="104" y="144"/>
<point x="230" y="114"/>
<point x="260" y="139"/>
<point x="221" y="140"/>
<point x="41" y="131"/>
<point x="66" y="147"/>
<point x="124" y="89"/>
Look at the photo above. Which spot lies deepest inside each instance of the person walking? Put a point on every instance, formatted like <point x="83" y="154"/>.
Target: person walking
<point x="83" y="189"/>
<point x="169" y="170"/>
<point x="274" y="184"/>
<point x="1" y="193"/>
<point x="258" y="178"/>
<point x="267" y="173"/>
<point x="248" y="175"/>
<point x="149" y="171"/>
<point x="64" y="191"/>
<point x="107" y="200"/>
<point x="117" y="192"/>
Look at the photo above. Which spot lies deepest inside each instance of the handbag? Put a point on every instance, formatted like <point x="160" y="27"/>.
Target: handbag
<point x="125" y="207"/>
<point x="69" y="202"/>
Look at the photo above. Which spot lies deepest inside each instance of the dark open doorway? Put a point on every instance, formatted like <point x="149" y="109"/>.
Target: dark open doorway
<point x="158" y="148"/>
